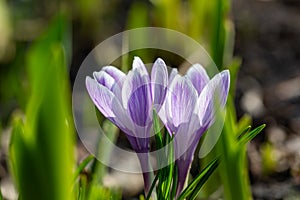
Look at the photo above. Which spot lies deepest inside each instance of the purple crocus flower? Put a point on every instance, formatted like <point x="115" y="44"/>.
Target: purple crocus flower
<point x="128" y="100"/>
<point x="189" y="110"/>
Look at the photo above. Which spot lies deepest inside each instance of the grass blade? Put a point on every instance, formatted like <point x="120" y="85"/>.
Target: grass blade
<point x="82" y="165"/>
<point x="194" y="187"/>
<point x="175" y="180"/>
<point x="152" y="186"/>
<point x="244" y="132"/>
<point x="248" y="137"/>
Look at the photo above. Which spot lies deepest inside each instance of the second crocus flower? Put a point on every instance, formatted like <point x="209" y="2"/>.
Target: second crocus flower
<point x="189" y="110"/>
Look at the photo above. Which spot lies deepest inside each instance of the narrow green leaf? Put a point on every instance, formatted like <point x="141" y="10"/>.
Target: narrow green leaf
<point x="1" y="197"/>
<point x="152" y="186"/>
<point x="248" y="137"/>
<point x="194" y="187"/>
<point x="157" y="132"/>
<point x="170" y="172"/>
<point x="104" y="150"/>
<point x="159" y="156"/>
<point x="175" y="180"/>
<point x="245" y="131"/>
<point x="82" y="165"/>
<point x="42" y="151"/>
<point x="82" y="189"/>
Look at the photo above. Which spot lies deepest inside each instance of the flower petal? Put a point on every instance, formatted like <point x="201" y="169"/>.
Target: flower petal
<point x="104" y="79"/>
<point x="135" y="78"/>
<point x="139" y="105"/>
<point x="136" y="97"/>
<point x="185" y="143"/>
<point x="159" y="81"/>
<point x="119" y="78"/>
<point x="114" y="72"/>
<point x="101" y="96"/>
<point x="122" y="120"/>
<point x="213" y="96"/>
<point x="173" y="73"/>
<point x="180" y="100"/>
<point x="139" y="65"/>
<point x="198" y="77"/>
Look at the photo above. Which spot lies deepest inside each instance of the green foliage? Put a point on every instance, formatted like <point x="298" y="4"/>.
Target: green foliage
<point x="42" y="144"/>
<point x="233" y="170"/>
<point x="104" y="149"/>
<point x="82" y="166"/>
<point x="1" y="197"/>
<point x="194" y="187"/>
<point x="247" y="136"/>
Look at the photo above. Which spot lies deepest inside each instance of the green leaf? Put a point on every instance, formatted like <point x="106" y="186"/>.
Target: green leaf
<point x="42" y="154"/>
<point x="194" y="187"/>
<point x="104" y="150"/>
<point x="1" y="197"/>
<point x="152" y="186"/>
<point x="157" y="132"/>
<point x="249" y="136"/>
<point x="245" y="131"/>
<point x="82" y="165"/>
<point x="175" y="181"/>
<point x="82" y="189"/>
<point x="170" y="171"/>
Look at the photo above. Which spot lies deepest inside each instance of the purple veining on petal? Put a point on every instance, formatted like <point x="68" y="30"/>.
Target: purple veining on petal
<point x="104" y="79"/>
<point x="122" y="120"/>
<point x="101" y="96"/>
<point x="140" y="66"/>
<point x="139" y="97"/>
<point x="226" y="85"/>
<point x="212" y="97"/>
<point x="114" y="72"/>
<point x="135" y="78"/>
<point x="185" y="143"/>
<point x="198" y="77"/>
<point x="138" y="105"/>
<point x="159" y="81"/>
<point x="180" y="101"/>
<point x="173" y="73"/>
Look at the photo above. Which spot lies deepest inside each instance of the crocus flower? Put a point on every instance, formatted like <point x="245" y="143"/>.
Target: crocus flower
<point x="128" y="100"/>
<point x="189" y="110"/>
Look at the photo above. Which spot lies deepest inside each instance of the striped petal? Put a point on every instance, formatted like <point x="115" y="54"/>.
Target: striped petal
<point x="114" y="72"/>
<point x="135" y="78"/>
<point x="159" y="81"/>
<point x="198" y="77"/>
<point x="104" y="79"/>
<point x="101" y="96"/>
<point x="173" y="73"/>
<point x="119" y="78"/>
<point x="137" y="97"/>
<point x="185" y="143"/>
<point x="180" y="101"/>
<point x="140" y="66"/>
<point x="213" y="96"/>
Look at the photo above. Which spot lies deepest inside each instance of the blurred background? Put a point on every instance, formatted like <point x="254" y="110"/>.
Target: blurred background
<point x="262" y="37"/>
